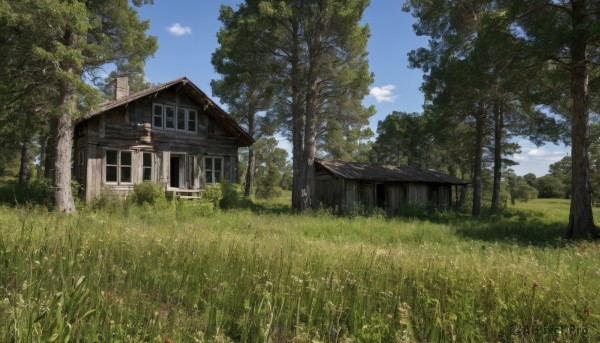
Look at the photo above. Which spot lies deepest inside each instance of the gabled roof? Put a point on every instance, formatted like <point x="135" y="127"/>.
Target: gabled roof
<point x="195" y="93"/>
<point x="386" y="172"/>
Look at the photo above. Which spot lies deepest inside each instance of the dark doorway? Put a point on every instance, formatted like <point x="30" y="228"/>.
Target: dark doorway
<point x="380" y="194"/>
<point x="174" y="179"/>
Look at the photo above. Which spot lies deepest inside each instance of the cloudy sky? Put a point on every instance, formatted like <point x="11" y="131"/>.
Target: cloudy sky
<point x="186" y="31"/>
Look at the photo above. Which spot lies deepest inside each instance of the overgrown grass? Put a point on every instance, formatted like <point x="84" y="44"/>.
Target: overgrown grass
<point x="147" y="274"/>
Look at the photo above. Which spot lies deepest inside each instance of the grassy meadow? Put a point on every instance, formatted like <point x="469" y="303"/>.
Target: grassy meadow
<point x="130" y="273"/>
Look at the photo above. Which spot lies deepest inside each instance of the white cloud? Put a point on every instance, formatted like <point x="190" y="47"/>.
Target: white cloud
<point x="533" y="159"/>
<point x="540" y="154"/>
<point x="383" y="93"/>
<point x="178" y="30"/>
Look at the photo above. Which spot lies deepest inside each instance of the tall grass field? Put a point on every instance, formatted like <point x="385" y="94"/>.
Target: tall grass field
<point x="179" y="273"/>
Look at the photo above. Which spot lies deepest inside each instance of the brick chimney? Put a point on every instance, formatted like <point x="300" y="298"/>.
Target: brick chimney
<point x="122" y="88"/>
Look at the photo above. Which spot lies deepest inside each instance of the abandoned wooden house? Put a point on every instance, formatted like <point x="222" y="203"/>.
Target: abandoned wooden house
<point x="171" y="134"/>
<point x="341" y="184"/>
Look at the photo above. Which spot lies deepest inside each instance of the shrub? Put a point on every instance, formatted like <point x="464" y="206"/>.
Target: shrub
<point x="358" y="209"/>
<point x="212" y="194"/>
<point x="413" y="210"/>
<point x="111" y="202"/>
<point x="37" y="191"/>
<point x="230" y="195"/>
<point x="77" y="192"/>
<point x="188" y="209"/>
<point x="147" y="192"/>
<point x="268" y="192"/>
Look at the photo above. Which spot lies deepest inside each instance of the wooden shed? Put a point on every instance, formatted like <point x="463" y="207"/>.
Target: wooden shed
<point x="340" y="184"/>
<point x="172" y="134"/>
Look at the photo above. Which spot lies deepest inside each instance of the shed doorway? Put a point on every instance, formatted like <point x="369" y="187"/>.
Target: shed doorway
<point x="380" y="195"/>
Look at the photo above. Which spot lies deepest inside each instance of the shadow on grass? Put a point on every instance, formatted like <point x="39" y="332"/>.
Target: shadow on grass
<point x="258" y="207"/>
<point x="264" y="208"/>
<point x="523" y="228"/>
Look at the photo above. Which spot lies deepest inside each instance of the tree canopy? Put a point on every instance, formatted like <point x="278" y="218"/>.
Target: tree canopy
<point x="67" y="42"/>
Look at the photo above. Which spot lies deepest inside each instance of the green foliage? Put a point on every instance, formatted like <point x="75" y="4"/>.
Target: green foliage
<point x="356" y="209"/>
<point x="77" y="193"/>
<point x="267" y="185"/>
<point x="36" y="191"/>
<point x="315" y="55"/>
<point x="413" y="210"/>
<point x="70" y="42"/>
<point x="212" y="194"/>
<point x="187" y="209"/>
<point x="147" y="192"/>
<point x="231" y="195"/>
<point x="519" y="189"/>
<point x="525" y="192"/>
<point x="562" y="171"/>
<point x="403" y="139"/>
<point x="155" y="274"/>
<point x="9" y="156"/>
<point x="136" y="80"/>
<point x="551" y="187"/>
<point x="111" y="202"/>
<point x="272" y="171"/>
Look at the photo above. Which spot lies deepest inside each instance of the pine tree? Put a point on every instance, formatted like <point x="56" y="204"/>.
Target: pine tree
<point x="70" y="40"/>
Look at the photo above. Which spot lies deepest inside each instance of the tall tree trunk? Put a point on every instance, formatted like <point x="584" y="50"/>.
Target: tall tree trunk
<point x="310" y="147"/>
<point x="315" y="51"/>
<point x="251" y="158"/>
<point x="581" y="220"/>
<point x="250" y="172"/>
<point x="498" y="126"/>
<point x="478" y="165"/>
<point x="24" y="169"/>
<point x="63" y="196"/>
<point x="298" y="178"/>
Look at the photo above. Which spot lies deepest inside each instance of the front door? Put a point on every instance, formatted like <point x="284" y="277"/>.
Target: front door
<point x="175" y="172"/>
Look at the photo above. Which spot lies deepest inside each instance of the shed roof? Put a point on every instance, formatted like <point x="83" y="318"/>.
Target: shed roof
<point x="195" y="93"/>
<point x="386" y="172"/>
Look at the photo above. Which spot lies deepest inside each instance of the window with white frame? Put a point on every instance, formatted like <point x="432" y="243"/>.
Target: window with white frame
<point x="146" y="166"/>
<point x="157" y="116"/>
<point x="118" y="166"/>
<point x="169" y="118"/>
<point x="192" y="119"/>
<point x="181" y="119"/>
<point x="213" y="167"/>
<point x="174" y="118"/>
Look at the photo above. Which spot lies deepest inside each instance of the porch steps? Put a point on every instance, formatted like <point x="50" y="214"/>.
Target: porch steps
<point x="187" y="193"/>
<point x="188" y="197"/>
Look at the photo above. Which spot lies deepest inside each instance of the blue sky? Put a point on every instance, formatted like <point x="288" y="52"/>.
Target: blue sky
<point x="186" y="31"/>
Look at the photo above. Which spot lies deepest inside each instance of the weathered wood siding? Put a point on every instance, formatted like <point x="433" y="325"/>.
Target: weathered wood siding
<point x="120" y="129"/>
<point x="395" y="196"/>
<point x="340" y="194"/>
<point x="359" y="192"/>
<point x="329" y="192"/>
<point x="418" y="193"/>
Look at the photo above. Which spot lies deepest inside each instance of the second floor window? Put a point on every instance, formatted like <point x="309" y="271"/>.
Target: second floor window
<point x="174" y="118"/>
